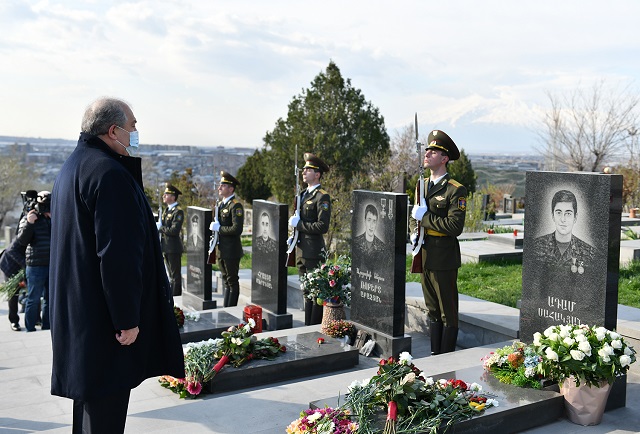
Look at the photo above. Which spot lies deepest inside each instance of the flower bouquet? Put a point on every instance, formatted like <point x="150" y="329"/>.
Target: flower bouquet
<point x="515" y="364"/>
<point x="589" y="354"/>
<point x="13" y="284"/>
<point x="330" y="282"/>
<point x="179" y="313"/>
<point x="204" y="360"/>
<point x="412" y="402"/>
<point x="339" y="328"/>
<point x="323" y="420"/>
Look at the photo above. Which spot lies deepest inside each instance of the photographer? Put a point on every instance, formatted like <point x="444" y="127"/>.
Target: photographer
<point x="34" y="233"/>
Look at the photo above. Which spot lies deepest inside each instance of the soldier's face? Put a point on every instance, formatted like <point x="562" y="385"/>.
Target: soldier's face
<point x="265" y="224"/>
<point x="564" y="217"/>
<point x="434" y="159"/>
<point x="370" y="223"/>
<point x="310" y="176"/>
<point x="168" y="198"/>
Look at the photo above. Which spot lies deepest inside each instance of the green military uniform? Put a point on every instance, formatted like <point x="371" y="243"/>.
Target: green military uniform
<point x="443" y="222"/>
<point x="229" y="253"/>
<point x="171" y="241"/>
<point x="268" y="246"/>
<point x="315" y="215"/>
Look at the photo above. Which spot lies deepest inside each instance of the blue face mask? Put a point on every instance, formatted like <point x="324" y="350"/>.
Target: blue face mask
<point x="134" y="140"/>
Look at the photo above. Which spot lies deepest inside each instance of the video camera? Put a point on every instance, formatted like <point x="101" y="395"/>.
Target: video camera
<point x="31" y="199"/>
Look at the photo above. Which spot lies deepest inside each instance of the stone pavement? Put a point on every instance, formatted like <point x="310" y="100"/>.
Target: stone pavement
<point x="26" y="405"/>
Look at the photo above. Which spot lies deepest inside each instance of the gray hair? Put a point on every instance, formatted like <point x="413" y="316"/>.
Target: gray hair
<point x="101" y="114"/>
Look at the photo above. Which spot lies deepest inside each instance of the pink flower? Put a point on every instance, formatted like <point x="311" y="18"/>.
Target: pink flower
<point x="332" y="283"/>
<point x="194" y="388"/>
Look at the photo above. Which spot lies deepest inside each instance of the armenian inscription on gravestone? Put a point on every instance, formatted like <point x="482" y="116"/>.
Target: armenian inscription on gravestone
<point x="571" y="250"/>
<point x="198" y="292"/>
<point x="378" y="252"/>
<point x="269" y="269"/>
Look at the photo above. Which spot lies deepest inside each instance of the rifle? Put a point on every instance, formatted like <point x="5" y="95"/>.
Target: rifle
<point x="291" y="248"/>
<point x="213" y="241"/>
<point x="416" y="262"/>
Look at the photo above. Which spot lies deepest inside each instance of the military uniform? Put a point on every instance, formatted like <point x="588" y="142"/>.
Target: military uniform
<point x="370" y="251"/>
<point x="171" y="241"/>
<point x="578" y="254"/>
<point x="443" y="222"/>
<point x="231" y="219"/>
<point x="315" y="215"/>
<point x="267" y="246"/>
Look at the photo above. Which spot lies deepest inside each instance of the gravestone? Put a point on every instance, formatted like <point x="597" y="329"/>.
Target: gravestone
<point x="268" y="263"/>
<point x="378" y="255"/>
<point x="508" y="204"/>
<point x="197" y="295"/>
<point x="574" y="282"/>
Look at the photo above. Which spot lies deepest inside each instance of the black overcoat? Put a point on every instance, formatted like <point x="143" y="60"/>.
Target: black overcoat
<point x="107" y="274"/>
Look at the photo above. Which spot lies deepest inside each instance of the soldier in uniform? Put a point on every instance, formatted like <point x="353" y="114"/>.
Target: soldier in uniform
<point x="560" y="249"/>
<point x="264" y="242"/>
<point x="313" y="223"/>
<point x="443" y="220"/>
<point x="170" y="229"/>
<point x="229" y="228"/>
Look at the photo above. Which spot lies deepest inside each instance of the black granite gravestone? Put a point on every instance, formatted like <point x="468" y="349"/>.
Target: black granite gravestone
<point x="268" y="263"/>
<point x="378" y="255"/>
<point x="571" y="251"/>
<point x="198" y="293"/>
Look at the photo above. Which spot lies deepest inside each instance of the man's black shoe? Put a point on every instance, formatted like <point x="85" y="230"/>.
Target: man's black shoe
<point x="15" y="327"/>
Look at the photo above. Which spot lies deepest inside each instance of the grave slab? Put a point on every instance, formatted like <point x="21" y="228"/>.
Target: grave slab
<point x="210" y="326"/>
<point x="304" y="358"/>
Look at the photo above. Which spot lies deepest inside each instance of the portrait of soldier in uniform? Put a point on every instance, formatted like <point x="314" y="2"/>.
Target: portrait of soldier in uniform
<point x="367" y="243"/>
<point x="561" y="248"/>
<point x="265" y="242"/>
<point x="195" y="243"/>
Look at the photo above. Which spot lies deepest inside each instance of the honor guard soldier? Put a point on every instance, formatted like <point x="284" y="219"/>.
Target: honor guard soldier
<point x="229" y="227"/>
<point x="170" y="229"/>
<point x="313" y="223"/>
<point x="443" y="220"/>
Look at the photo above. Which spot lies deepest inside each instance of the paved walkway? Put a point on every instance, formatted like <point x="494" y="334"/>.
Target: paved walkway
<point x="26" y="405"/>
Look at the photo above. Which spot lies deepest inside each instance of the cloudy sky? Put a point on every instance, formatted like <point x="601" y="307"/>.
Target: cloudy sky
<point x="220" y="73"/>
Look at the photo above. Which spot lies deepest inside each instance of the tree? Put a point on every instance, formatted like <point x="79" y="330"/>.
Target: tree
<point x="462" y="171"/>
<point x="333" y="120"/>
<point x="585" y="127"/>
<point x="252" y="178"/>
<point x="15" y="177"/>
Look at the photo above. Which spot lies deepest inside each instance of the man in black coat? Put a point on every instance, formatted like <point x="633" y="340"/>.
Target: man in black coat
<point x="112" y="320"/>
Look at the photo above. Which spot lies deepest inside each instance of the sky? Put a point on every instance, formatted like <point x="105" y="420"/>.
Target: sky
<point x="221" y="73"/>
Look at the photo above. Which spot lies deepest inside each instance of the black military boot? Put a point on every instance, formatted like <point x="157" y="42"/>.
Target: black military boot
<point x="435" y="330"/>
<point x="449" y="339"/>
<point x="234" y="294"/>
<point x="225" y="296"/>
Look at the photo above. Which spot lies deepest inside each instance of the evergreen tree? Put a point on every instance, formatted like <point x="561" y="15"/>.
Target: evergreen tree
<point x="252" y="177"/>
<point x="462" y="171"/>
<point x="333" y="120"/>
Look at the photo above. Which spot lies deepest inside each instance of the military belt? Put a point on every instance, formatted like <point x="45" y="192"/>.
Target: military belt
<point x="433" y="233"/>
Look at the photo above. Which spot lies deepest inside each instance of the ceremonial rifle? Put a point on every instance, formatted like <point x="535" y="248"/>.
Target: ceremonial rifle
<point x="416" y="262"/>
<point x="291" y="248"/>
<point x="215" y="235"/>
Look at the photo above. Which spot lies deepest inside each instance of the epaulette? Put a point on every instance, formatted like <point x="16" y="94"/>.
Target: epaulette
<point x="455" y="183"/>
<point x="322" y="191"/>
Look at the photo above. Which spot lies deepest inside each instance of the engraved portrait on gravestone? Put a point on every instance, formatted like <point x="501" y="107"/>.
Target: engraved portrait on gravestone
<point x="265" y="242"/>
<point x="561" y="248"/>
<point x="368" y="243"/>
<point x="195" y="243"/>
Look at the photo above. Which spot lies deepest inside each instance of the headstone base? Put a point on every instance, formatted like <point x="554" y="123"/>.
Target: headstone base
<point x="386" y="345"/>
<point x="304" y="358"/>
<point x="209" y="326"/>
<point x="193" y="302"/>
<point x="277" y="321"/>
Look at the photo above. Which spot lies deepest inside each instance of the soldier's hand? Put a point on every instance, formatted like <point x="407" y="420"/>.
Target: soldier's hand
<point x="214" y="226"/>
<point x="414" y="239"/>
<point x="293" y="221"/>
<point x="158" y="225"/>
<point x="419" y="211"/>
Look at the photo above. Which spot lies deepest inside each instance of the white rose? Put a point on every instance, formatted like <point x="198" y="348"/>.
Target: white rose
<point x="409" y="378"/>
<point x="492" y="402"/>
<point x="553" y="337"/>
<point x="616" y="343"/>
<point x="625" y="361"/>
<point x="315" y="416"/>
<point x="576" y="354"/>
<point x="551" y="355"/>
<point x="548" y="331"/>
<point x="568" y="341"/>
<point x="581" y="338"/>
<point x="354" y="384"/>
<point x="601" y="333"/>
<point x="429" y="381"/>
<point x="579" y="330"/>
<point x="614" y="335"/>
<point x="405" y="358"/>
<point x="475" y="387"/>
<point x="585" y="347"/>
<point x="609" y="349"/>
<point x="628" y="351"/>
<point x="536" y="339"/>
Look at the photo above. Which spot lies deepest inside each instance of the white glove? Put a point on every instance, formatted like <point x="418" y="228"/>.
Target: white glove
<point x="158" y="225"/>
<point x="289" y="241"/>
<point x="293" y="221"/>
<point x="419" y="211"/>
<point x="214" y="226"/>
<point x="414" y="239"/>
